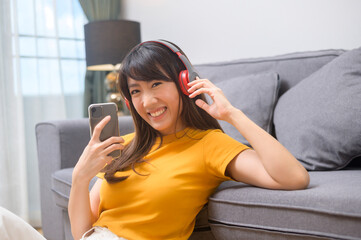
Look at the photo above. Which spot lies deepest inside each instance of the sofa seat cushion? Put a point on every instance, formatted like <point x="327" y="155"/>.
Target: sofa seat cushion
<point x="329" y="208"/>
<point x="61" y="184"/>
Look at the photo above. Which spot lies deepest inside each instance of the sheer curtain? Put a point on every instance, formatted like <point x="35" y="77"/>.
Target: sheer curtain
<point x="13" y="184"/>
<point x="42" y="63"/>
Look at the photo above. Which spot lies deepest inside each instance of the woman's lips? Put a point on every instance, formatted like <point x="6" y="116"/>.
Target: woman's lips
<point x="158" y="112"/>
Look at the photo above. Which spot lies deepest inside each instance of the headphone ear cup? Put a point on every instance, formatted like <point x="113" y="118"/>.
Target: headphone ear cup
<point x="183" y="81"/>
<point x="127" y="103"/>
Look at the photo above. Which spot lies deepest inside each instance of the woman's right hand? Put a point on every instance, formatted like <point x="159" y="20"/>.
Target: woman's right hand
<point x="95" y="155"/>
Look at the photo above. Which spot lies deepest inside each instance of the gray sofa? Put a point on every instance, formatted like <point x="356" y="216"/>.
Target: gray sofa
<point x="310" y="101"/>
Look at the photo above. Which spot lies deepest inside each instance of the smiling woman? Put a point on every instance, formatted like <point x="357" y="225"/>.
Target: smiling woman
<point x="177" y="156"/>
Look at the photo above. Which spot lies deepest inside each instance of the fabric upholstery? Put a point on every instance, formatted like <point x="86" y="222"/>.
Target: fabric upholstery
<point x="61" y="185"/>
<point x="256" y="95"/>
<point x="319" y="120"/>
<point x="292" y="67"/>
<point x="329" y="208"/>
<point x="247" y="233"/>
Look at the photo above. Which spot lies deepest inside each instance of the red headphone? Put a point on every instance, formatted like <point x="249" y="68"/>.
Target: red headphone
<point x="185" y="76"/>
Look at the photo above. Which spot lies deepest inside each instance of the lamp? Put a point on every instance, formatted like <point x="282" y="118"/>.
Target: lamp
<point x="106" y="45"/>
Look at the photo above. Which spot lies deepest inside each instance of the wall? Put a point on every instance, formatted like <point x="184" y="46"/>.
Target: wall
<point x="214" y="30"/>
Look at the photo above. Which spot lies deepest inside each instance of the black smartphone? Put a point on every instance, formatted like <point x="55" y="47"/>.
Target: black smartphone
<point x="99" y="111"/>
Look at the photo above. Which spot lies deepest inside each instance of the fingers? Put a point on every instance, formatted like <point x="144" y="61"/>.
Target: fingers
<point x="200" y="86"/>
<point x="205" y="82"/>
<point x="98" y="154"/>
<point x="99" y="127"/>
<point x="112" y="148"/>
<point x="111" y="144"/>
<point x="113" y="140"/>
<point x="200" y="103"/>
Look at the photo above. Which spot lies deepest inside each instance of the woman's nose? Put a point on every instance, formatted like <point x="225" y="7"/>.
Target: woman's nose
<point x="149" y="99"/>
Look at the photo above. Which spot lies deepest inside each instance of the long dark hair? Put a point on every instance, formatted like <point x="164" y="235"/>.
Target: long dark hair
<point x="146" y="62"/>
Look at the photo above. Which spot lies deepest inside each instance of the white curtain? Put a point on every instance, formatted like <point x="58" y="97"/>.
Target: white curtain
<point x="41" y="79"/>
<point x="13" y="178"/>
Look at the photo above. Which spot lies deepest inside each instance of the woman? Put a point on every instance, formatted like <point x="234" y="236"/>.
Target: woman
<point x="177" y="156"/>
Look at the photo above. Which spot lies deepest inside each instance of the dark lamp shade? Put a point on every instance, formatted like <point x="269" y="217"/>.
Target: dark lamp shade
<point x="108" y="42"/>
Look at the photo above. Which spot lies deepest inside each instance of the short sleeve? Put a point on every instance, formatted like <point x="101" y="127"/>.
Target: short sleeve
<point x="219" y="150"/>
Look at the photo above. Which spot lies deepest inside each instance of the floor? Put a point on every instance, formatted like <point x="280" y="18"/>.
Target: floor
<point x="39" y="230"/>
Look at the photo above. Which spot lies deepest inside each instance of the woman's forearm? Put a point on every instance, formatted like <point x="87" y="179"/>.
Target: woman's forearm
<point x="276" y="160"/>
<point x="280" y="164"/>
<point x="79" y="208"/>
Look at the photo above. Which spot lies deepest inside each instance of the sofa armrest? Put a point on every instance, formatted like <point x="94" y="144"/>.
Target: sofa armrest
<point x="59" y="146"/>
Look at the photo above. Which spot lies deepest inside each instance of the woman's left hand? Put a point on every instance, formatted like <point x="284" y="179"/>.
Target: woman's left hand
<point x="221" y="108"/>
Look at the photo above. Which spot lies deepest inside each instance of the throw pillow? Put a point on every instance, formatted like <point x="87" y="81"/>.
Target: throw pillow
<point x="255" y="95"/>
<point x="319" y="120"/>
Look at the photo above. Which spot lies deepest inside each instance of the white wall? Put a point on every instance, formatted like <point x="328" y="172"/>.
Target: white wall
<point x="215" y="30"/>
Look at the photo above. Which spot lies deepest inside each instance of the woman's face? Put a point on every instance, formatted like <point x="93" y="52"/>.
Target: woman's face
<point x="157" y="102"/>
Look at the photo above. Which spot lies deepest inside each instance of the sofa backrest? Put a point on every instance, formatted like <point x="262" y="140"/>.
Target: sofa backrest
<point x="291" y="68"/>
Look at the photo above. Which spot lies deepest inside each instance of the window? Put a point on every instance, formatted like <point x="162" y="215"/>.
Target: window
<point x="48" y="46"/>
<point x="49" y="71"/>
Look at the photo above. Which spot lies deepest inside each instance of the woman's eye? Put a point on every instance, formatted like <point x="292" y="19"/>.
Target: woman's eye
<point x="133" y="92"/>
<point x="156" y="84"/>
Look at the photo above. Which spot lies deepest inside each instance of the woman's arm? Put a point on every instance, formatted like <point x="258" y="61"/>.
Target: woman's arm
<point x="83" y="206"/>
<point x="79" y="209"/>
<point x="270" y="164"/>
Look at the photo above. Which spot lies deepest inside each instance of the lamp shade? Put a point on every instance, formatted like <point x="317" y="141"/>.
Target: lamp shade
<point x="108" y="42"/>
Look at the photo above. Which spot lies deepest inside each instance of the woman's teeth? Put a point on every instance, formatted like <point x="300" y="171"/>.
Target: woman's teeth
<point x="157" y="113"/>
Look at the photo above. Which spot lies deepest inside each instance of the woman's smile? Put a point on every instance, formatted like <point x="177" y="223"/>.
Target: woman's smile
<point x="157" y="112"/>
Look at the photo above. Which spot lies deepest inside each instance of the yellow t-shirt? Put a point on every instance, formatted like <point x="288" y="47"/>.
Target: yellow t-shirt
<point x="177" y="180"/>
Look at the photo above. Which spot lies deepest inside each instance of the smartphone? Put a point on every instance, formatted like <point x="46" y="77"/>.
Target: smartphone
<point x="99" y="111"/>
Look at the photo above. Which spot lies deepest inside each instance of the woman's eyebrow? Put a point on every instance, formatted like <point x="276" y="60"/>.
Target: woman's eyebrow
<point x="133" y="85"/>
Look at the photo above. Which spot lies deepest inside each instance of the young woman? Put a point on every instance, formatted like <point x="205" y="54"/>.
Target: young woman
<point x="177" y="156"/>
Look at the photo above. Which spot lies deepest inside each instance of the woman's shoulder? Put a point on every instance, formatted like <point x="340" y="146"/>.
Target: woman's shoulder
<point x="206" y="134"/>
<point x="211" y="133"/>
<point x="216" y="137"/>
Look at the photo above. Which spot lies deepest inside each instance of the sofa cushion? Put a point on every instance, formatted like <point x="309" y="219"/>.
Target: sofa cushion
<point x="328" y="209"/>
<point x="255" y="95"/>
<point x="319" y="120"/>
<point x="61" y="184"/>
